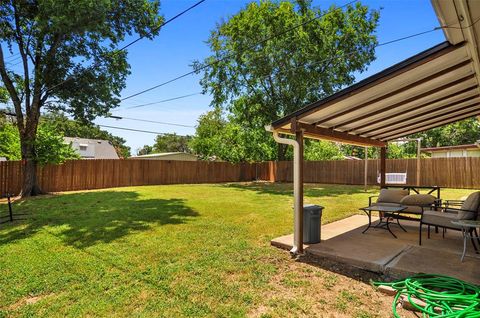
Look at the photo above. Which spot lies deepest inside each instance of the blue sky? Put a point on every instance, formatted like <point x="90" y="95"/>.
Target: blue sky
<point x="182" y="41"/>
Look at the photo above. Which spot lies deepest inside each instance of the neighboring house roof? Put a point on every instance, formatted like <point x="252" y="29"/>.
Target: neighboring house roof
<point x="168" y="155"/>
<point x="161" y="154"/>
<point x="93" y="148"/>
<point x="351" y="158"/>
<point x="456" y="147"/>
<point x="3" y="159"/>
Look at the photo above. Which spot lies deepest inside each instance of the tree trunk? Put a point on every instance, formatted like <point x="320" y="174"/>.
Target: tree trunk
<point x="281" y="152"/>
<point x="30" y="186"/>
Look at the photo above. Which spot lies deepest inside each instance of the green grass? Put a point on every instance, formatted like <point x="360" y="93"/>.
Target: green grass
<point x="170" y="251"/>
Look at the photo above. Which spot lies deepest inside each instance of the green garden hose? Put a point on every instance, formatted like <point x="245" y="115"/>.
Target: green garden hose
<point x="444" y="296"/>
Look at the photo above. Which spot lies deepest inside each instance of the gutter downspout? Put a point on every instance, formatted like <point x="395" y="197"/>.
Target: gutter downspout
<point x="297" y="240"/>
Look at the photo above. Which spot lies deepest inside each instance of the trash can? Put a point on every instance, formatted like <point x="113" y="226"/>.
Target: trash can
<point x="312" y="215"/>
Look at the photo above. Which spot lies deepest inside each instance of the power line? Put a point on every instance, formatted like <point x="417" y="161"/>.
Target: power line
<point x="408" y="37"/>
<point x="212" y="63"/>
<point x="13" y="60"/>
<point x="10" y="63"/>
<point x="460" y="27"/>
<point x="161" y="101"/>
<point x="303" y="65"/>
<point x="139" y="130"/>
<point x="12" y="56"/>
<point x="163" y="24"/>
<point x="151" y="121"/>
<point x="352" y="52"/>
<point x="138" y="39"/>
<point x="229" y="55"/>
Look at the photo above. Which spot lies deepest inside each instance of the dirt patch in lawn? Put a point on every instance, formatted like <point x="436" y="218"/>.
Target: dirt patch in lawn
<point x="307" y="287"/>
<point x="27" y="301"/>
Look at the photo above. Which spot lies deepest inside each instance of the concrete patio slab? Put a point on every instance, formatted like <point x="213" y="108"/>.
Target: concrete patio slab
<point x="426" y="260"/>
<point x="377" y="250"/>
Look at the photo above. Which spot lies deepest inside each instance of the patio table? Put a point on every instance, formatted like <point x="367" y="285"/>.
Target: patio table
<point x="467" y="230"/>
<point x="386" y="213"/>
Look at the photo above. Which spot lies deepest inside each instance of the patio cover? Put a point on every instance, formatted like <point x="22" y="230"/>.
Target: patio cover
<point x="431" y="89"/>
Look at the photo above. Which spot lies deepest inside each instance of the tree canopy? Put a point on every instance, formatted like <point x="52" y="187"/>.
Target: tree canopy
<point x="70" y="60"/>
<point x="462" y="132"/>
<point x="275" y="57"/>
<point x="171" y="143"/>
<point x="167" y="143"/>
<point x="49" y="144"/>
<point x="145" y="150"/>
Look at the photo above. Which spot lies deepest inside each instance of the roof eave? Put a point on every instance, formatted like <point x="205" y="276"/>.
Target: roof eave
<point x="402" y="66"/>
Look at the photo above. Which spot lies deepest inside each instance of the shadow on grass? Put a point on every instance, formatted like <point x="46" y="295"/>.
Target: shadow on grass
<point x="85" y="219"/>
<point x="310" y="190"/>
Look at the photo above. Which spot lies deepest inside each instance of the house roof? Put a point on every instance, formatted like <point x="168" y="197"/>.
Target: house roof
<point x="164" y="154"/>
<point x="435" y="87"/>
<point x="103" y="149"/>
<point x="456" y="147"/>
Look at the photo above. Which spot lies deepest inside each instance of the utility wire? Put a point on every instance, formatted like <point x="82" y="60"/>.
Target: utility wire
<point x="151" y="121"/>
<point x="12" y="57"/>
<point x="136" y="40"/>
<point x="139" y="130"/>
<point x="161" y="101"/>
<point x="460" y="27"/>
<point x="13" y="60"/>
<point x="355" y="52"/>
<point x="14" y="64"/>
<point x="163" y="24"/>
<point x="214" y="62"/>
<point x="299" y="66"/>
<point x="408" y="37"/>
<point x="229" y="55"/>
<point x="303" y="65"/>
<point x="152" y="132"/>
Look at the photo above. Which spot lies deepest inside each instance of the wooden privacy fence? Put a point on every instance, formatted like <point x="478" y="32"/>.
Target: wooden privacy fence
<point x="443" y="172"/>
<point x="98" y="174"/>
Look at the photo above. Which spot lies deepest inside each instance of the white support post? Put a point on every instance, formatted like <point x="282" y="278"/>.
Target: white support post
<point x="366" y="169"/>
<point x="419" y="146"/>
<point x="297" y="190"/>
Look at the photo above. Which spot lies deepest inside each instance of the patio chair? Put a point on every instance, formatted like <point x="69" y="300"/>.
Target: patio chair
<point x="451" y="211"/>
<point x="415" y="203"/>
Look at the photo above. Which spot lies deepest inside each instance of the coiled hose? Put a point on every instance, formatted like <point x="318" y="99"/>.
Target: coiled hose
<point x="444" y="296"/>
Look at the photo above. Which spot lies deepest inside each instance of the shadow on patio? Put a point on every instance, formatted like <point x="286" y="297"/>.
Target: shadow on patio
<point x="379" y="252"/>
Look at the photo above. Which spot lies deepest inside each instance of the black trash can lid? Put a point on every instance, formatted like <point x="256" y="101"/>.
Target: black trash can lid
<point x="312" y="207"/>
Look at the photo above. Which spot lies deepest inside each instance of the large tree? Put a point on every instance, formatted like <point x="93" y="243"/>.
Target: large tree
<point x="459" y="133"/>
<point x="49" y="144"/>
<point x="69" y="60"/>
<point x="275" y="57"/>
<point x="171" y="143"/>
<point x="219" y="137"/>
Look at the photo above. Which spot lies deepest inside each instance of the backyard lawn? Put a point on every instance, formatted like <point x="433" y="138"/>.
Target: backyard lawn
<point x="174" y="251"/>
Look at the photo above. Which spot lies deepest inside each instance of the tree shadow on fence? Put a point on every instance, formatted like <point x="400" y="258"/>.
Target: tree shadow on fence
<point x="310" y="190"/>
<point x="89" y="218"/>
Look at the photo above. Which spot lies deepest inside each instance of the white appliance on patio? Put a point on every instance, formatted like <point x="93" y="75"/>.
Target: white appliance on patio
<point x="394" y="178"/>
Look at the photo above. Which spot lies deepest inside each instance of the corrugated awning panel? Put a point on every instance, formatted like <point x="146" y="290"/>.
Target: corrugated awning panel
<point x="433" y="88"/>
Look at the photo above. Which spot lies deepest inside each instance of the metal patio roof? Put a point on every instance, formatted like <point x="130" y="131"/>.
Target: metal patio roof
<point x="431" y="89"/>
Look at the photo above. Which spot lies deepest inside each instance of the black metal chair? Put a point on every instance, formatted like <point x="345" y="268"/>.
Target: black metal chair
<point x="9" y="216"/>
<point x="452" y="210"/>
